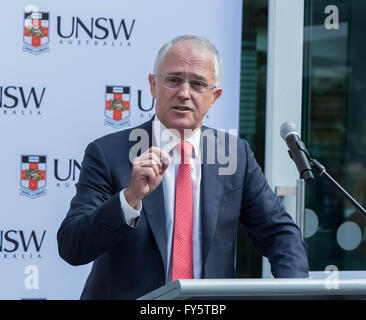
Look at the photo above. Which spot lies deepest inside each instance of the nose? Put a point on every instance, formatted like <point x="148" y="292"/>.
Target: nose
<point x="184" y="91"/>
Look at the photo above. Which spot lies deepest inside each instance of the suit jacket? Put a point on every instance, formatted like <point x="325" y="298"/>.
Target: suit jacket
<point x="130" y="262"/>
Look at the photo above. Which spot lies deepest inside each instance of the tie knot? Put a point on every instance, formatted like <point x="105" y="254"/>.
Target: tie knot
<point x="185" y="151"/>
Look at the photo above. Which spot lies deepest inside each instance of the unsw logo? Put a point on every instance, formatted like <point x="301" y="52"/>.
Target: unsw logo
<point x="33" y="176"/>
<point x="21" y="101"/>
<point x="90" y="31"/>
<point x="21" y="244"/>
<point x="36" y="32"/>
<point x="118" y="108"/>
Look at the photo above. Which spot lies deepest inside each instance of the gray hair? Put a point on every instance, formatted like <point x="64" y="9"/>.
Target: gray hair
<point x="200" y="40"/>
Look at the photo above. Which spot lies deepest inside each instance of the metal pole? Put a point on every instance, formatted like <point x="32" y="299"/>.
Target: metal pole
<point x="300" y="205"/>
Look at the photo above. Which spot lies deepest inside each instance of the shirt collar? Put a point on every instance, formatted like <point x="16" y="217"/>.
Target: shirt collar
<point x="166" y="139"/>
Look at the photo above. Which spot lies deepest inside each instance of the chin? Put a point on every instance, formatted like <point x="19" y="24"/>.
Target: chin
<point x="181" y="124"/>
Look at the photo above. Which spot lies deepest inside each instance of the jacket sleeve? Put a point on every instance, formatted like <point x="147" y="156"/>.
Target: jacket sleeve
<point x="269" y="228"/>
<point x="95" y="221"/>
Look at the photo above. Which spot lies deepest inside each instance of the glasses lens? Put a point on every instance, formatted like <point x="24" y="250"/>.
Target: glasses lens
<point x="173" y="81"/>
<point x="198" y="85"/>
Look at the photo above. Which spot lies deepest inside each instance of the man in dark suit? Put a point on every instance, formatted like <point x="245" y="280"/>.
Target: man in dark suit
<point x="160" y="209"/>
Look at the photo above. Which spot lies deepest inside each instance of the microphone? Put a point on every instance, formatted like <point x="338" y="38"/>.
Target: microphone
<point x="297" y="151"/>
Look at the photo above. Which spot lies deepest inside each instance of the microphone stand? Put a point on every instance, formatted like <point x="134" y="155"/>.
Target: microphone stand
<point x="320" y="170"/>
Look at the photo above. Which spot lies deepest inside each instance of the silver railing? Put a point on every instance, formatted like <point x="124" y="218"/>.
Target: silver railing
<point x="299" y="193"/>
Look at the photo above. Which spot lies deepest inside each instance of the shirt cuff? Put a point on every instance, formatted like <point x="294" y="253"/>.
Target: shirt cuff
<point x="130" y="213"/>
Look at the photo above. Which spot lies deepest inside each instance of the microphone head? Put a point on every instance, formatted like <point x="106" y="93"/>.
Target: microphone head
<point x="286" y="129"/>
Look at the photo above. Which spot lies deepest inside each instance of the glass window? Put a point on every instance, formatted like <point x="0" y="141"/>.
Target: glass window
<point x="334" y="129"/>
<point x="252" y="109"/>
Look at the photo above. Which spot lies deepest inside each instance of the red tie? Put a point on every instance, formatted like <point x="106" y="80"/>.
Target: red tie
<point x="182" y="243"/>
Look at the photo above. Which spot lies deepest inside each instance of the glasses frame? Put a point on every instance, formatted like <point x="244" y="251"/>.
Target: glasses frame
<point x="163" y="76"/>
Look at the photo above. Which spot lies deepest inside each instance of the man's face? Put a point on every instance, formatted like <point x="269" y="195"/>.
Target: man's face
<point x="184" y="108"/>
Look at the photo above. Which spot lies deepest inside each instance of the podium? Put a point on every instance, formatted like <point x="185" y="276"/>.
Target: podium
<point x="241" y="289"/>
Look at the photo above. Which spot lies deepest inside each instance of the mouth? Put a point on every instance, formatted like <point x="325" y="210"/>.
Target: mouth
<point x="182" y="108"/>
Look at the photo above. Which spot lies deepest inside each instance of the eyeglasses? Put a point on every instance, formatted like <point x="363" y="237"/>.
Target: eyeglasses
<point x="175" y="82"/>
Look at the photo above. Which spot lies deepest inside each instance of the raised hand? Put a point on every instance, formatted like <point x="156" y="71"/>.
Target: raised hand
<point x="147" y="173"/>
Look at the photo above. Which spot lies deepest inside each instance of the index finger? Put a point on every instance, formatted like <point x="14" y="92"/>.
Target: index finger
<point x="163" y="155"/>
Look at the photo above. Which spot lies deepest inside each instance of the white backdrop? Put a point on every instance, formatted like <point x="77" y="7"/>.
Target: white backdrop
<point x="58" y="66"/>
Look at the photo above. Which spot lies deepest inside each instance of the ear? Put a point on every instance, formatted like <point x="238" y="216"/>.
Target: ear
<point x="215" y="95"/>
<point x="153" y="85"/>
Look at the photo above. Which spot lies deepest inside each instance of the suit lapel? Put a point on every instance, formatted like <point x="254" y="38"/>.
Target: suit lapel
<point x="154" y="208"/>
<point x="211" y="191"/>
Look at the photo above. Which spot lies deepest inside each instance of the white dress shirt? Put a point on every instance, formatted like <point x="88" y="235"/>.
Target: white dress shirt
<point x="165" y="139"/>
